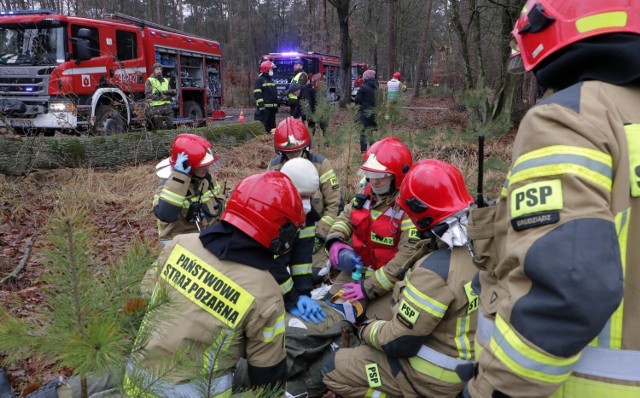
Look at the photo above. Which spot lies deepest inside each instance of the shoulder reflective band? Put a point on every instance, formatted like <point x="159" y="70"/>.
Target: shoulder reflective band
<point x="536" y="197"/>
<point x="373" y="375"/>
<point x="206" y="287"/>
<point x="633" y="143"/>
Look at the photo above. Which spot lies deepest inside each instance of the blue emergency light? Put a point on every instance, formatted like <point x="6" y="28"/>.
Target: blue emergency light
<point x="26" y="12"/>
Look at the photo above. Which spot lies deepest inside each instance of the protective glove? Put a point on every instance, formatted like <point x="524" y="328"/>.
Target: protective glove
<point x="318" y="243"/>
<point x="334" y="252"/>
<point x="181" y="163"/>
<point x="352" y="292"/>
<point x="309" y="310"/>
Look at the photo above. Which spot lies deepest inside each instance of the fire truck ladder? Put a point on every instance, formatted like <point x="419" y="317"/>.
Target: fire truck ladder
<point x="116" y="16"/>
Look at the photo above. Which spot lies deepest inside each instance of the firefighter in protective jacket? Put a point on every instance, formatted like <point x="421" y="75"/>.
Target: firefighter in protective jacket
<point x="292" y="140"/>
<point x="264" y="91"/>
<point x="377" y="228"/>
<point x="415" y="353"/>
<point x="559" y="283"/>
<point x="218" y="302"/>
<point x="158" y="93"/>
<point x="188" y="198"/>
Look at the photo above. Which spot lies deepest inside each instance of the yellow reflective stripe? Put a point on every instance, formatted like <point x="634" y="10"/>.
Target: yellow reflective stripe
<point x="271" y="106"/>
<point x="286" y="286"/>
<point x="632" y="131"/>
<point x="465" y="349"/>
<point x="266" y="84"/>
<point x="430" y="305"/>
<point x="216" y="189"/>
<point x="171" y="197"/>
<point x="269" y="333"/>
<point x="505" y="185"/>
<point x="592" y="165"/>
<point x="257" y="90"/>
<point x="525" y="361"/>
<point x="372" y="393"/>
<point x="327" y="176"/>
<point x="342" y="227"/>
<point x="585" y="388"/>
<point x="375" y="214"/>
<point x="622" y="228"/>
<point x="301" y="269"/>
<point x="373" y="333"/>
<point x="328" y="220"/>
<point x="259" y="100"/>
<point x="435" y="371"/>
<point x="613" y="19"/>
<point x="382" y="279"/>
<point x="407" y="225"/>
<point x="308" y="232"/>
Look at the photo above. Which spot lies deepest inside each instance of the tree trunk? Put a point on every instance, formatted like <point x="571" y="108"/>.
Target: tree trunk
<point x="464" y="45"/>
<point x="342" y="6"/>
<point x="25" y="154"/>
<point x="422" y="51"/>
<point x="392" y="60"/>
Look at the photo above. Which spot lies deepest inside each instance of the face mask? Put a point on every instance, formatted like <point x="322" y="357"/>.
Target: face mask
<point x="306" y="205"/>
<point x="383" y="190"/>
<point x="271" y="72"/>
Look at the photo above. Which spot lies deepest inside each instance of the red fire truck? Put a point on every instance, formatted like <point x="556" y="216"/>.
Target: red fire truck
<point x="357" y="69"/>
<point x="60" y="72"/>
<point x="319" y="67"/>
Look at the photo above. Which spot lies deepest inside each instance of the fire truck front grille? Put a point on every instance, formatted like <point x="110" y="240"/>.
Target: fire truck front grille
<point x="21" y="86"/>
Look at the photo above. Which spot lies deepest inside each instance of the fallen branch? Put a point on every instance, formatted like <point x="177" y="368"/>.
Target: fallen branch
<point x="23" y="261"/>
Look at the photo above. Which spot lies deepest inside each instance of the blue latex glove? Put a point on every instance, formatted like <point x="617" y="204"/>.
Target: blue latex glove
<point x="309" y="310"/>
<point x="181" y="161"/>
<point x="334" y="251"/>
<point x="352" y="292"/>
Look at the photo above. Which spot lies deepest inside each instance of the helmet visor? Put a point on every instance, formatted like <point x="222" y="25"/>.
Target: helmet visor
<point x="373" y="174"/>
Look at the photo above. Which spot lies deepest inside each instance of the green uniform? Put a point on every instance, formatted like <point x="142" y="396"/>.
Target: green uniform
<point x="563" y="252"/>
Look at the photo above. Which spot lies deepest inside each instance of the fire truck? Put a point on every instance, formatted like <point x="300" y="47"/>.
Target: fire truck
<point x="61" y="72"/>
<point x="319" y="67"/>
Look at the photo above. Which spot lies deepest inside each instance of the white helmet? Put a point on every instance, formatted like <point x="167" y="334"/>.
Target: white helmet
<point x="303" y="174"/>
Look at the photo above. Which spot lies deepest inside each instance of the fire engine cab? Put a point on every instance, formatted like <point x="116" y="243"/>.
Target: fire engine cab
<point x="60" y="72"/>
<point x="319" y="67"/>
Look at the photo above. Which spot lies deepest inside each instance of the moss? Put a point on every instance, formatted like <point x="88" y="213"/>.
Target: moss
<point x="75" y="151"/>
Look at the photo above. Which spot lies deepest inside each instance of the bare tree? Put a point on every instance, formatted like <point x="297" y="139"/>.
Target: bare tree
<point x="343" y="9"/>
<point x="422" y="51"/>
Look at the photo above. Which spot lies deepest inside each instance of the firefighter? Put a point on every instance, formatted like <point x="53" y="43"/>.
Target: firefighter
<point x="394" y="87"/>
<point x="366" y="98"/>
<point x="415" y="352"/>
<point x="379" y="231"/>
<point x="158" y="94"/>
<point x="264" y="90"/>
<point x="300" y="77"/>
<point x="294" y="271"/>
<point x="221" y="302"/>
<point x="292" y="140"/>
<point x="561" y="261"/>
<point x="188" y="197"/>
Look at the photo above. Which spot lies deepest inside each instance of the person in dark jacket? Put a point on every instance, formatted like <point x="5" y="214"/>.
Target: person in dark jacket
<point x="264" y="91"/>
<point x="306" y="94"/>
<point x="366" y="98"/>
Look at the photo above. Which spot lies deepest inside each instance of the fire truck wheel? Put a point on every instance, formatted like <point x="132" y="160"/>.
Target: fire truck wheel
<point x="109" y="121"/>
<point x="192" y="110"/>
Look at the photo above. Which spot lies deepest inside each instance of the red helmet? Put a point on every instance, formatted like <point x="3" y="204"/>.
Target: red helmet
<point x="546" y="26"/>
<point x="387" y="156"/>
<point x="268" y="208"/>
<point x="199" y="150"/>
<point x="432" y="191"/>
<point x="397" y="75"/>
<point x="291" y="135"/>
<point x="266" y="66"/>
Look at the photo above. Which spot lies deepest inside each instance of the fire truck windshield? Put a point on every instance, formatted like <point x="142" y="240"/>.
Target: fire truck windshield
<point x="31" y="45"/>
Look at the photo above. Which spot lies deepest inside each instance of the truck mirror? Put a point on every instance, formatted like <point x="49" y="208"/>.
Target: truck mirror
<point x="84" y="33"/>
<point x="83" y="52"/>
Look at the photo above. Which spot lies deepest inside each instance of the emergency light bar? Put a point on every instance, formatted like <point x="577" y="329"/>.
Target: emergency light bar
<point x="26" y="12"/>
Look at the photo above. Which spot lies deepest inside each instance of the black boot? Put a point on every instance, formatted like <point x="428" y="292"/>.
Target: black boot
<point x="5" y="387"/>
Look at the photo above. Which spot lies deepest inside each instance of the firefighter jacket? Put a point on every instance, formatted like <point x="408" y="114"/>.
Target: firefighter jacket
<point x="382" y="234"/>
<point x="326" y="201"/>
<point x="301" y="78"/>
<point x="433" y="324"/>
<point x="293" y="271"/>
<point x="563" y="251"/>
<point x="154" y="89"/>
<point x="214" y="309"/>
<point x="184" y="204"/>
<point x="264" y="91"/>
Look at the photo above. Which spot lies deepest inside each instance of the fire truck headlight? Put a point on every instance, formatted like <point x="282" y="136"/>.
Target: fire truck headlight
<point x="61" y="107"/>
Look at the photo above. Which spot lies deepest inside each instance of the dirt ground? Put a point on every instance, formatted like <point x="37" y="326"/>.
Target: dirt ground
<point x="120" y="198"/>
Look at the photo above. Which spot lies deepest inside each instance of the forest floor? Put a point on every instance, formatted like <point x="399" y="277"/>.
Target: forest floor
<point x="119" y="202"/>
